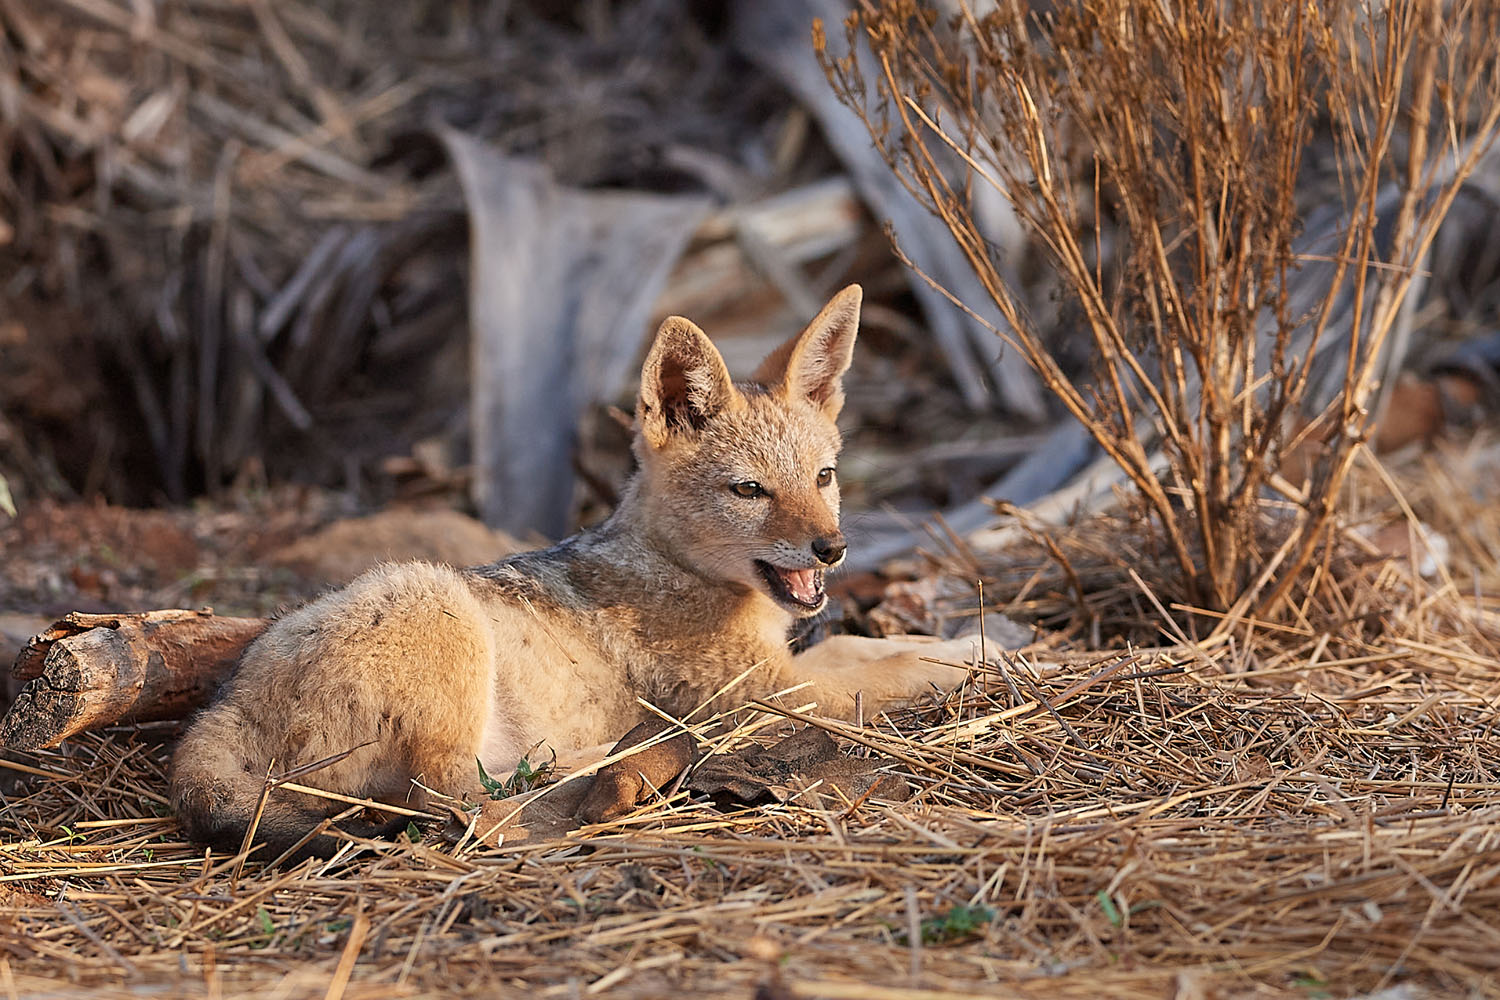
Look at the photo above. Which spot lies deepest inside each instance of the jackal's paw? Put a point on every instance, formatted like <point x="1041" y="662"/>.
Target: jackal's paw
<point x="528" y="818"/>
<point x="495" y="823"/>
<point x="960" y="652"/>
<point x="966" y="650"/>
<point x="996" y="630"/>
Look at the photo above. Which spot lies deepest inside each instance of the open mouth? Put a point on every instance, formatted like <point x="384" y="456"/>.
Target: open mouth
<point x="800" y="589"/>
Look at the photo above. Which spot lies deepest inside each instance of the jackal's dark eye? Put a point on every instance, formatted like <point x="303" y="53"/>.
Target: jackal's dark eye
<point x="748" y="488"/>
<point x="825" y="477"/>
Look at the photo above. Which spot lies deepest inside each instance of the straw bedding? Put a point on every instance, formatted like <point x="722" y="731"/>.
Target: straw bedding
<point x="1308" y="809"/>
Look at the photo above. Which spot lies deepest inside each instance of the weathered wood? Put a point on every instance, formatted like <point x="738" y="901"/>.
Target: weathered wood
<point x="563" y="281"/>
<point x="795" y="227"/>
<point x="89" y="671"/>
<point x="774" y="35"/>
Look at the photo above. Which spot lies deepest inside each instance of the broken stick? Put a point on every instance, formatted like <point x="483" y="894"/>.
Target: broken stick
<point x="89" y="671"/>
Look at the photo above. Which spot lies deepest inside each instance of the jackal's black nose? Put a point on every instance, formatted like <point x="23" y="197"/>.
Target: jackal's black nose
<point x="830" y="548"/>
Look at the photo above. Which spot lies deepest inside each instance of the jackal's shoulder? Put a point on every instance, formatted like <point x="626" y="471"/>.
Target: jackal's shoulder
<point x="586" y="571"/>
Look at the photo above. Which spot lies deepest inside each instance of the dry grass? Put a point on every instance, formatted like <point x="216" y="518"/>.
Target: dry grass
<point x="1302" y="810"/>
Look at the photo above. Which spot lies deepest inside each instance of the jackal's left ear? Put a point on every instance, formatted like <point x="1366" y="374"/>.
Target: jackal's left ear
<point x="812" y="364"/>
<point x="684" y="382"/>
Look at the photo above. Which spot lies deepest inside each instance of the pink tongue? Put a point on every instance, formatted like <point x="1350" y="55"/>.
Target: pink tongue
<point x="803" y="583"/>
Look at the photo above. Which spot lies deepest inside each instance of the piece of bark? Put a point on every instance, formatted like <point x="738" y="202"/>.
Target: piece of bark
<point x="89" y="671"/>
<point x="15" y="632"/>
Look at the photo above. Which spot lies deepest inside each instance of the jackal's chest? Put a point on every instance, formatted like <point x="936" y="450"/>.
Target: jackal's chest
<point x="572" y="668"/>
<point x="556" y="681"/>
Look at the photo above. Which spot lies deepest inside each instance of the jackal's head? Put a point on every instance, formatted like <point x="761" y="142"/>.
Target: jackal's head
<point x="739" y="480"/>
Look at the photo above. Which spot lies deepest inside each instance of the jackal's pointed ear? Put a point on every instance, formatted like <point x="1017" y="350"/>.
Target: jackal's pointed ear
<point x="683" y="383"/>
<point x="812" y="364"/>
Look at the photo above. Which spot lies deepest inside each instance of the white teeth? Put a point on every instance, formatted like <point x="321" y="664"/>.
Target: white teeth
<point x="803" y="584"/>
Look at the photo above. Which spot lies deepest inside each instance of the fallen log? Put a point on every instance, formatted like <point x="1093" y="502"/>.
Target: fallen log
<point x="88" y="671"/>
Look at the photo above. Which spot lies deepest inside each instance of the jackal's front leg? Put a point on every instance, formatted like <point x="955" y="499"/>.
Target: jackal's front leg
<point x="887" y="672"/>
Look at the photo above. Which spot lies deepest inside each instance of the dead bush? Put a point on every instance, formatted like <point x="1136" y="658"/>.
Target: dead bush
<point x="1157" y="151"/>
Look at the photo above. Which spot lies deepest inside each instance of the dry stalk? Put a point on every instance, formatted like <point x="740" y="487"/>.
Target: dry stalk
<point x="1155" y="152"/>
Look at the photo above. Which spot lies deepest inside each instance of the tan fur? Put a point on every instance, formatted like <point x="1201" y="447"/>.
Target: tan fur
<point x="420" y="669"/>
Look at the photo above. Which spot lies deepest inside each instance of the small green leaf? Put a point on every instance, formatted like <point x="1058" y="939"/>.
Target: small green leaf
<point x="1110" y="909"/>
<point x="413" y="832"/>
<point x="495" y="788"/>
<point x="1315" y="987"/>
<point x="266" y="924"/>
<point x="526" y="777"/>
<point x="958" y="923"/>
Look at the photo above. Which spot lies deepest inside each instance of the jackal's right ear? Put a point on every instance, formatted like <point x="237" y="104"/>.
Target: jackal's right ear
<point x="812" y="364"/>
<point x="684" y="382"/>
